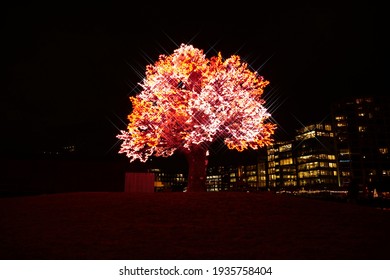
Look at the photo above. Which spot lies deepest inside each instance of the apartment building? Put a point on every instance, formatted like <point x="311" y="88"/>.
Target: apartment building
<point x="362" y="128"/>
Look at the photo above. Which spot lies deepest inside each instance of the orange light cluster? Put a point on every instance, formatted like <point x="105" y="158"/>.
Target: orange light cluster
<point x="189" y="100"/>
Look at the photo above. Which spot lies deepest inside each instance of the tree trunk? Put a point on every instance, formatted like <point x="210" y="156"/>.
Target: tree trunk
<point x="197" y="166"/>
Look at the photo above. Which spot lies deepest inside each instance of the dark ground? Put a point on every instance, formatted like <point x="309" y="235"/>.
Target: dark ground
<point x="189" y="226"/>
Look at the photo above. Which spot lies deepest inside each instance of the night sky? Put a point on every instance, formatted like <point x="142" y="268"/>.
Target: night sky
<point x="69" y="69"/>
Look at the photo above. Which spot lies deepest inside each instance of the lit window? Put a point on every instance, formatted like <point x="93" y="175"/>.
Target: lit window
<point x="341" y="124"/>
<point x="339" y="118"/>
<point x="252" y="179"/>
<point x="344" y="152"/>
<point x="331" y="157"/>
<point x="286" y="161"/>
<point x="307" y="135"/>
<point x="386" y="172"/>
<point x="362" y="128"/>
<point x="286" y="147"/>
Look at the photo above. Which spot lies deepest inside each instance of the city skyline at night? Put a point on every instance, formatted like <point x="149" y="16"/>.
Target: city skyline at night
<point x="120" y="141"/>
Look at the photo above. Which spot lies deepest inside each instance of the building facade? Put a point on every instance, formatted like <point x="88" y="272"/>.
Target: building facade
<point x="315" y="154"/>
<point x="306" y="162"/>
<point x="362" y="127"/>
<point x="250" y="177"/>
<point x="282" y="169"/>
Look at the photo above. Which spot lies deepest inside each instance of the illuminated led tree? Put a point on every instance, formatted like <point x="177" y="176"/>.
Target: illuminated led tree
<point x="188" y="101"/>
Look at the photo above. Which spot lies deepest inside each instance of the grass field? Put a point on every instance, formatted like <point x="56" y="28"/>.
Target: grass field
<point x="189" y="226"/>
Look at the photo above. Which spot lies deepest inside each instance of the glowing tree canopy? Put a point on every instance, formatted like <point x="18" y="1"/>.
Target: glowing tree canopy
<point x="188" y="101"/>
